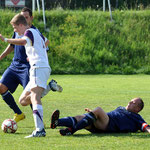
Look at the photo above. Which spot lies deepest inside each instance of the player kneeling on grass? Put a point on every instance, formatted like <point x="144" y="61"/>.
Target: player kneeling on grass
<point x="39" y="69"/>
<point x="121" y="120"/>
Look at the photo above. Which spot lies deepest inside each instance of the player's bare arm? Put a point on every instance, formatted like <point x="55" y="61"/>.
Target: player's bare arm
<point x="7" y="51"/>
<point x="46" y="43"/>
<point x="13" y="41"/>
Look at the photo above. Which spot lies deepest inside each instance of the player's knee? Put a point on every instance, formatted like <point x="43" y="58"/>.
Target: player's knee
<point x="97" y="110"/>
<point x="3" y="88"/>
<point x="22" y="102"/>
<point x="79" y="118"/>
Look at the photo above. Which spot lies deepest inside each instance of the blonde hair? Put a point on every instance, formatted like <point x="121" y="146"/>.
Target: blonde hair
<point x="18" y="19"/>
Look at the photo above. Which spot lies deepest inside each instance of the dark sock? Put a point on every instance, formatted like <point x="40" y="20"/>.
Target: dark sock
<point x="86" y="121"/>
<point x="67" y="121"/>
<point x="31" y="106"/>
<point x="8" y="98"/>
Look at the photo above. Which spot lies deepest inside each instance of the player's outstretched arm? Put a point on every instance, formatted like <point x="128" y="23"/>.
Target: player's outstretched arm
<point x="7" y="51"/>
<point x="13" y="41"/>
<point x="17" y="41"/>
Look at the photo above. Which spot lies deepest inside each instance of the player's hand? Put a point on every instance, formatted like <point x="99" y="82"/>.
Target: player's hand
<point x="27" y="59"/>
<point x="88" y="110"/>
<point x="1" y="37"/>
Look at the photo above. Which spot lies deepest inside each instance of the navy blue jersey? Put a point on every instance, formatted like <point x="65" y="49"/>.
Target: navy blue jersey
<point x="20" y="57"/>
<point x="121" y="120"/>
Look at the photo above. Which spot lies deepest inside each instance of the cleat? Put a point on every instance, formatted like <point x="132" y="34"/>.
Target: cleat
<point x="54" y="86"/>
<point x="54" y="119"/>
<point x="35" y="133"/>
<point x="19" y="117"/>
<point x="67" y="131"/>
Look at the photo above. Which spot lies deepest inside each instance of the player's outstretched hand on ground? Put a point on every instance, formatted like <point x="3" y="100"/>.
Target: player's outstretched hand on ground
<point x="88" y="110"/>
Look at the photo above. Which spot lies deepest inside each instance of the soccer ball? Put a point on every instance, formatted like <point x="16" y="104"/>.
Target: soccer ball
<point x="9" y="126"/>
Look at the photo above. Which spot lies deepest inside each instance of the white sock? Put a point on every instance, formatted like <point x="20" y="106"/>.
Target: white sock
<point x="46" y="91"/>
<point x="38" y="117"/>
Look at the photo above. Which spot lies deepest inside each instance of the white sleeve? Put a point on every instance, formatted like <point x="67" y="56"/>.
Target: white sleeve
<point x="45" y="39"/>
<point x="29" y="42"/>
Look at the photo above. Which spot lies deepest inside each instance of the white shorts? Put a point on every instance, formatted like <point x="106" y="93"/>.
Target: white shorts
<point x="38" y="77"/>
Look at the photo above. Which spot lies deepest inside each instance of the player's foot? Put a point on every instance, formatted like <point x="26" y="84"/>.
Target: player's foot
<point x="35" y="133"/>
<point x="67" y="131"/>
<point x="19" y="117"/>
<point x="54" y="86"/>
<point x="54" y="119"/>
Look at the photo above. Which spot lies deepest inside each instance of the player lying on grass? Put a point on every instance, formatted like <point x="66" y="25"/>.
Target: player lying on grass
<point x="120" y="120"/>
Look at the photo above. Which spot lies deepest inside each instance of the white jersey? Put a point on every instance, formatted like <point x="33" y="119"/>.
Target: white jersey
<point x="36" y="49"/>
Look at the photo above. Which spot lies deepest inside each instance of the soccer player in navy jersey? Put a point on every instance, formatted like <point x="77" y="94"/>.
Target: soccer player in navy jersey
<point x="121" y="120"/>
<point x="18" y="72"/>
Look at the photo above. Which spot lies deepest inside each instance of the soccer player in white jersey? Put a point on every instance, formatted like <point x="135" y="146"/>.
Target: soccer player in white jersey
<point x="39" y="72"/>
<point x="18" y="71"/>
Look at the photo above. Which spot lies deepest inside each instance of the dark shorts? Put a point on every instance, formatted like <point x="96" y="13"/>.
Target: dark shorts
<point x="12" y="78"/>
<point x="110" y="128"/>
<point x="95" y="130"/>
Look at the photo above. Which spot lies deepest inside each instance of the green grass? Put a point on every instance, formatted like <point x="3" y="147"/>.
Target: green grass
<point x="81" y="91"/>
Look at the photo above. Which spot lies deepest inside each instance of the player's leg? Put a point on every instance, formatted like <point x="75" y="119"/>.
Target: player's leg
<point x="25" y="98"/>
<point x="24" y="80"/>
<point x="38" y="78"/>
<point x="74" y="123"/>
<point x="82" y="122"/>
<point x="102" y="118"/>
<point x="52" y="85"/>
<point x="37" y="112"/>
<point x="97" y="117"/>
<point x="9" y="83"/>
<point x="66" y="121"/>
<point x="37" y="107"/>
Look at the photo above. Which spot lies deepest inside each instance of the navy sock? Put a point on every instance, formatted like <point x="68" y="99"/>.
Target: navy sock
<point x="31" y="106"/>
<point x="8" y="98"/>
<point x="86" y="121"/>
<point x="67" y="121"/>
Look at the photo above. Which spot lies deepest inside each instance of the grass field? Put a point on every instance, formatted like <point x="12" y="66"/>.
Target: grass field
<point x="81" y="91"/>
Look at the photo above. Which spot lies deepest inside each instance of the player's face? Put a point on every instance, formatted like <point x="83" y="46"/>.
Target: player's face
<point x="18" y="29"/>
<point x="28" y="17"/>
<point x="133" y="105"/>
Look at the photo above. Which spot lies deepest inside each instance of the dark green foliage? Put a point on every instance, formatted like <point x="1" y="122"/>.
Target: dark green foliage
<point x="88" y="42"/>
<point x="96" y="4"/>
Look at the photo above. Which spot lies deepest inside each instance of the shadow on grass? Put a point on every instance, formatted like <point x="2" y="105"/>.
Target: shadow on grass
<point x="137" y="134"/>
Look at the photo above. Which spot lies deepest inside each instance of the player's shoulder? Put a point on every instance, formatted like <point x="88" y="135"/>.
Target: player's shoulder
<point x="120" y="108"/>
<point x="16" y="35"/>
<point x="30" y="31"/>
<point x="33" y="27"/>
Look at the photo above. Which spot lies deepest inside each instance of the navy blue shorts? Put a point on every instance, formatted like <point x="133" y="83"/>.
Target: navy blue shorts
<point x="12" y="78"/>
<point x="93" y="129"/>
<point x="110" y="128"/>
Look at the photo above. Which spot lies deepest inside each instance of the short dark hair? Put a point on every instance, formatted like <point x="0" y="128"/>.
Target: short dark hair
<point x="141" y="104"/>
<point x="28" y="10"/>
